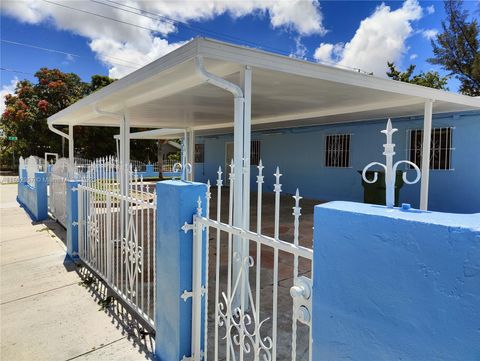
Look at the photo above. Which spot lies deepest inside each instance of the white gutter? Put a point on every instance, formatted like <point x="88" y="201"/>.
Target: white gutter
<point x="174" y="144"/>
<point x="240" y="196"/>
<point x="216" y="80"/>
<point x="69" y="137"/>
<point x="55" y="130"/>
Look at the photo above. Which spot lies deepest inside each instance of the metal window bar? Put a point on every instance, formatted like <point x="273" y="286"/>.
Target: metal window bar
<point x="337" y="150"/>
<point x="255" y="152"/>
<point x="441" y="148"/>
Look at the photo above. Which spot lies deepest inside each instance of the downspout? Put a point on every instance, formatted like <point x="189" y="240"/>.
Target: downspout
<point x="238" y="155"/>
<point x="69" y="137"/>
<point x="216" y="80"/>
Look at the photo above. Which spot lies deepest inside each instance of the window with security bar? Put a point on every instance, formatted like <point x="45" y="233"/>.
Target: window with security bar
<point x="199" y="153"/>
<point x="255" y="152"/>
<point x="440" y="148"/>
<point x="337" y="150"/>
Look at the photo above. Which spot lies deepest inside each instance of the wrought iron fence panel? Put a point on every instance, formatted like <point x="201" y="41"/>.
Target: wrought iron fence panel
<point x="262" y="312"/>
<point x="57" y="195"/>
<point x="117" y="232"/>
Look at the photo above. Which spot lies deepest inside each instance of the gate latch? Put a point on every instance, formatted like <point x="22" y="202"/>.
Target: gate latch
<point x="301" y="292"/>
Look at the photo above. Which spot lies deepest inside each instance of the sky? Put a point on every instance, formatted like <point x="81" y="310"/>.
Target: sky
<point x="115" y="37"/>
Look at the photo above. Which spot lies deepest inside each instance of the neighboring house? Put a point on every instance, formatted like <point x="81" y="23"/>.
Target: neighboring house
<point x="324" y="161"/>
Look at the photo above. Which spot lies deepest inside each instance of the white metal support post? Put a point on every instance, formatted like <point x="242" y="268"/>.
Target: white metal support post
<point x="71" y="155"/>
<point x="242" y="203"/>
<point x="123" y="168"/>
<point x="427" y="136"/>
<point x="124" y="153"/>
<point x="191" y="153"/>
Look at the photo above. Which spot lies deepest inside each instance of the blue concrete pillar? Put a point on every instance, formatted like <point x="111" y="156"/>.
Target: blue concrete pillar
<point x="72" y="218"/>
<point x="177" y="203"/>
<point x="41" y="196"/>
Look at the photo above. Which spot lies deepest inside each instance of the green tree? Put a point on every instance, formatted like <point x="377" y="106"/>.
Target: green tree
<point x="431" y="79"/>
<point x="457" y="47"/>
<point x="27" y="110"/>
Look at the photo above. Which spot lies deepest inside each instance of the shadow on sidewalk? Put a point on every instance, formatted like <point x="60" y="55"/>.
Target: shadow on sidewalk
<point x="140" y="334"/>
<point x="122" y="317"/>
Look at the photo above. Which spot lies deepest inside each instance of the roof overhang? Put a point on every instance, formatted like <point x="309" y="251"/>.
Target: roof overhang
<point x="168" y="93"/>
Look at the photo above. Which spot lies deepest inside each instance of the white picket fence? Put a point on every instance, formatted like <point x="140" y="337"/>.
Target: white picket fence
<point x="167" y="166"/>
<point x="117" y="233"/>
<point x="245" y="308"/>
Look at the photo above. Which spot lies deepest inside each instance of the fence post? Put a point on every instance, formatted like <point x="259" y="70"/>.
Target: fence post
<point x="149" y="172"/>
<point x="72" y="218"/>
<point x="177" y="204"/>
<point x="41" y="196"/>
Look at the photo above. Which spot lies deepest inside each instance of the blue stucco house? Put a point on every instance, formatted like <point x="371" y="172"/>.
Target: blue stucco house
<point x="324" y="161"/>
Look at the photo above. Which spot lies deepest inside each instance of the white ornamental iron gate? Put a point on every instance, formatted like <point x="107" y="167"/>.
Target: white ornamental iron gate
<point x="117" y="233"/>
<point x="255" y="329"/>
<point x="57" y="197"/>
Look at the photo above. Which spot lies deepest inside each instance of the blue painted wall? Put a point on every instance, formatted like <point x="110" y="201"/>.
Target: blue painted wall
<point x="34" y="199"/>
<point x="391" y="284"/>
<point x="299" y="152"/>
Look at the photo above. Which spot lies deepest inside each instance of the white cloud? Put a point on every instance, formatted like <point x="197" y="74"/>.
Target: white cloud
<point x="137" y="46"/>
<point x="328" y="53"/>
<point x="430" y="9"/>
<point x="379" y="38"/>
<point x="300" y="49"/>
<point x="429" y="34"/>
<point x="413" y="56"/>
<point x="7" y="89"/>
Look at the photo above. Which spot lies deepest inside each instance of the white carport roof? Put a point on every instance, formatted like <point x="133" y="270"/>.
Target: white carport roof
<point x="168" y="93"/>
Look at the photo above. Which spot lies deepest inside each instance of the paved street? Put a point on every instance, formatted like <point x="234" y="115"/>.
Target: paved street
<point x="49" y="305"/>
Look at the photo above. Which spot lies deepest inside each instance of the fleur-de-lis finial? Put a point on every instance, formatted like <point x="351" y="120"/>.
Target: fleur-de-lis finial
<point x="296" y="208"/>
<point x="260" y="172"/>
<point x="390" y="168"/>
<point x="219" y="178"/>
<point x="277" y="186"/>
<point x="199" y="206"/>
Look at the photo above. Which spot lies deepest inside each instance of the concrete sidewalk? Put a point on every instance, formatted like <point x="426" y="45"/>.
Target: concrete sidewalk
<point x="49" y="305"/>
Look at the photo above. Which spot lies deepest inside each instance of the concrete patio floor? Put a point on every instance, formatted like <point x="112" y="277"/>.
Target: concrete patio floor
<point x="48" y="305"/>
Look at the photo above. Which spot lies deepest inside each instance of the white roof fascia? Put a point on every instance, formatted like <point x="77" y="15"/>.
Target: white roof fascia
<point x="259" y="58"/>
<point x="177" y="56"/>
<point x="239" y="55"/>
